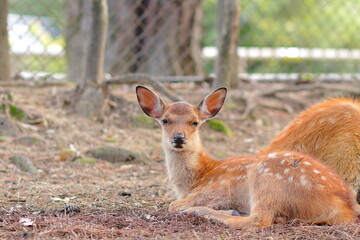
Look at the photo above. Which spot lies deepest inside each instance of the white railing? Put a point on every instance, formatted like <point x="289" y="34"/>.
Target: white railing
<point x="256" y="53"/>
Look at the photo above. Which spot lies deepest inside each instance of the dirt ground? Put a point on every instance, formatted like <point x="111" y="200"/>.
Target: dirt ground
<point x="69" y="199"/>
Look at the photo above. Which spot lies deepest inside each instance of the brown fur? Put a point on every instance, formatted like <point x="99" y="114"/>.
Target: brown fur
<point x="330" y="132"/>
<point x="269" y="187"/>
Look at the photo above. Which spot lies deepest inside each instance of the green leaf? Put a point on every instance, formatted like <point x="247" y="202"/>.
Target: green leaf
<point x="86" y="160"/>
<point x="17" y="113"/>
<point x="220" y="126"/>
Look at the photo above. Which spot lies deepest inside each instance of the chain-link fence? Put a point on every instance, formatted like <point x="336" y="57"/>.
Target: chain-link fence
<point x="171" y="37"/>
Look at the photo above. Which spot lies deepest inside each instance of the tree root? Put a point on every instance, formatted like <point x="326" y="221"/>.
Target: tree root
<point x="259" y="98"/>
<point x="143" y="79"/>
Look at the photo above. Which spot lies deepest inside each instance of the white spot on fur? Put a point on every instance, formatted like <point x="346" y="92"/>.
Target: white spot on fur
<point x="307" y="163"/>
<point x="287" y="154"/>
<point x="268" y="174"/>
<point x="272" y="155"/>
<point x="241" y="168"/>
<point x="291" y="178"/>
<point x="223" y="181"/>
<point x="263" y="164"/>
<point x="239" y="177"/>
<point x="266" y="170"/>
<point x="286" y="170"/>
<point x="323" y="178"/>
<point x="224" y="167"/>
<point x="278" y="176"/>
<point x="303" y="180"/>
<point x="249" y="165"/>
<point x="316" y="171"/>
<point x="282" y="162"/>
<point x="302" y="170"/>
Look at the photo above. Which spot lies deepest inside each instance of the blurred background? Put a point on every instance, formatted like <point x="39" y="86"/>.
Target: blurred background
<point x="277" y="39"/>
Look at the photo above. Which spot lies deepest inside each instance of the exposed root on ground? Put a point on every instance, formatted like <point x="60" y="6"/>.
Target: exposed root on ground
<point x="271" y="100"/>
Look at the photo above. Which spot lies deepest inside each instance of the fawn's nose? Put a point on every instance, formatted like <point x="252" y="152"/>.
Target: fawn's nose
<point x="178" y="139"/>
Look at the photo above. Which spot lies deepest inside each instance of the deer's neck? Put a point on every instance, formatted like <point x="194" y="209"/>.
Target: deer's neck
<point x="186" y="167"/>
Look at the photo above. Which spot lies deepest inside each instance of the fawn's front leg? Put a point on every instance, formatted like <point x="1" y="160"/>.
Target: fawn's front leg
<point x="203" y="197"/>
<point x="182" y="204"/>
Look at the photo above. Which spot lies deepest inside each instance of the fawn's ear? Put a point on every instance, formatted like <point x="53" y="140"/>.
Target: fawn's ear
<point x="149" y="102"/>
<point x="212" y="103"/>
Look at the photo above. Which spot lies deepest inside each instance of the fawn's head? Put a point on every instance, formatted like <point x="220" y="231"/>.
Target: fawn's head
<point x="180" y="121"/>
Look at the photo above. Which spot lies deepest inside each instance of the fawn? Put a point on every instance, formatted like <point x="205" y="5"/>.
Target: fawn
<point x="271" y="187"/>
<point x="330" y="132"/>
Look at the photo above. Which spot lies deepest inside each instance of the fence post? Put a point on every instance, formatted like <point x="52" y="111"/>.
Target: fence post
<point x="4" y="42"/>
<point x="227" y="39"/>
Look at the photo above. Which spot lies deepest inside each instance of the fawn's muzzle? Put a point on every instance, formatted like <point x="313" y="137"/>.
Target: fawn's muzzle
<point x="178" y="140"/>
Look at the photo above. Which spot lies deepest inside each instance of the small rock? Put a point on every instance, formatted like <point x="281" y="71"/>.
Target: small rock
<point x="124" y="194"/>
<point x="150" y="217"/>
<point x="248" y="140"/>
<point x="23" y="163"/>
<point x="116" y="154"/>
<point x="70" y="209"/>
<point x="27" y="234"/>
<point x="8" y="127"/>
<point x="50" y="131"/>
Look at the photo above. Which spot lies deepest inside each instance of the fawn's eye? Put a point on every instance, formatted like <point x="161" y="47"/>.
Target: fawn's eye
<point x="165" y="121"/>
<point x="195" y="123"/>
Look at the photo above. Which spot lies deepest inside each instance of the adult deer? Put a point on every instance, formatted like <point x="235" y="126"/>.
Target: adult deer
<point x="271" y="187"/>
<point x="330" y="132"/>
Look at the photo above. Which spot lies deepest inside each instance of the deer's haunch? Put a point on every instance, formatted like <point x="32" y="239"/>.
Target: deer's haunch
<point x="330" y="132"/>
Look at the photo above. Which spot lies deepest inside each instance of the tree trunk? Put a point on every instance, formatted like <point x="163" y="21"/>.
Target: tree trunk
<point x="121" y="36"/>
<point x="227" y="39"/>
<point x="91" y="96"/>
<point x="78" y="15"/>
<point x="158" y="37"/>
<point x="94" y="70"/>
<point x="4" y="42"/>
<point x="190" y="47"/>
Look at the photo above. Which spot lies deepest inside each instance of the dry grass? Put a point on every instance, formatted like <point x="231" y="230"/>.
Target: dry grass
<point x="142" y="223"/>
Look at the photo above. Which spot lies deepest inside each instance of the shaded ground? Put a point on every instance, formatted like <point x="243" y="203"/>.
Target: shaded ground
<point x="70" y="199"/>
